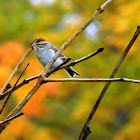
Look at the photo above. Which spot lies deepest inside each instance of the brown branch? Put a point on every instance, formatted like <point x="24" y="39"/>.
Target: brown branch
<point x="47" y="68"/>
<point x="12" y="118"/>
<point x="22" y="103"/>
<point x="7" y="88"/>
<point x="12" y="89"/>
<point x="25" y="81"/>
<point x="16" y="68"/>
<point x="91" y="115"/>
<point x="72" y="63"/>
<point x="87" y="132"/>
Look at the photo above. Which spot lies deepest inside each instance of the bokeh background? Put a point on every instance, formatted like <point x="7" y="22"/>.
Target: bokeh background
<point x="58" y="111"/>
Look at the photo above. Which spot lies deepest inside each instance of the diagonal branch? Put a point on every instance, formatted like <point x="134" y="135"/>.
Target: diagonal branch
<point x="136" y="34"/>
<point x="16" y="68"/>
<point x="12" y="118"/>
<point x="12" y="90"/>
<point x="25" y="81"/>
<point x="82" y="59"/>
<point x="58" y="67"/>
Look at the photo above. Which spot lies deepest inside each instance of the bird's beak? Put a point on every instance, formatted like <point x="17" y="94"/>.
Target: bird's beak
<point x="33" y="45"/>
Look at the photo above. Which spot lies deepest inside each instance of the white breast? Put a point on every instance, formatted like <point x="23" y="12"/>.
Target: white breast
<point x="45" y="56"/>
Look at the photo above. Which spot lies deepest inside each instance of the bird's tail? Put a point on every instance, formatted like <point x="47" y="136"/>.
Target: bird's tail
<point x="72" y="72"/>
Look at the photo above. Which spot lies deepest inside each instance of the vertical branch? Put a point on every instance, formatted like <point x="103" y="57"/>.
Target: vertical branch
<point x="136" y="34"/>
<point x="16" y="69"/>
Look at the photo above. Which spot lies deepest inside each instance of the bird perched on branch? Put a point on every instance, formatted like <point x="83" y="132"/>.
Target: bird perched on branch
<point x="45" y="51"/>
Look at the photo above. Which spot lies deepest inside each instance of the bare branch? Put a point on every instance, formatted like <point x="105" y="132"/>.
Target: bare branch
<point x="25" y="81"/>
<point x="87" y="132"/>
<point x="73" y="80"/>
<point x="16" y="68"/>
<point x="13" y="89"/>
<point x="92" y="80"/>
<point x="7" y="88"/>
<point x="136" y="34"/>
<point x="12" y="118"/>
<point x="105" y="4"/>
<point x="82" y="59"/>
<point x="22" y="103"/>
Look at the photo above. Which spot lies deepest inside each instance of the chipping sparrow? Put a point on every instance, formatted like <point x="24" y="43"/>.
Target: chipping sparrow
<point x="45" y="51"/>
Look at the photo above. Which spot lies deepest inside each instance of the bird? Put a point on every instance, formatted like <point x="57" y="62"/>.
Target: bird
<point x="45" y="51"/>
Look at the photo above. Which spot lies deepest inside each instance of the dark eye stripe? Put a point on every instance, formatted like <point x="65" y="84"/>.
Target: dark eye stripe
<point x="41" y="44"/>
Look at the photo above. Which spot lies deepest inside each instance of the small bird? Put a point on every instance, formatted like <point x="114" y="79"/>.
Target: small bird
<point x="45" y="51"/>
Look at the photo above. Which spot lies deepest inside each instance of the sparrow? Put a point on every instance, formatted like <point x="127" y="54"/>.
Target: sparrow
<point x="45" y="51"/>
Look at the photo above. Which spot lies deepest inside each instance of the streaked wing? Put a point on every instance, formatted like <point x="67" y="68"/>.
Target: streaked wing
<point x="56" y="49"/>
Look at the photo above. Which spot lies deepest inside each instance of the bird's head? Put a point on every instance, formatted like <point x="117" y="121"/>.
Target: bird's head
<point x="40" y="44"/>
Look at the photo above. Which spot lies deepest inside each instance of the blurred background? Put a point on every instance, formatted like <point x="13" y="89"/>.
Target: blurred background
<point x="58" y="111"/>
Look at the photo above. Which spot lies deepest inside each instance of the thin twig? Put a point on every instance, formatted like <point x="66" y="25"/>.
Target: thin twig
<point x="72" y="63"/>
<point x="136" y="34"/>
<point x="73" y="80"/>
<point x="37" y="85"/>
<point x="91" y="80"/>
<point x="25" y="81"/>
<point x="12" y="118"/>
<point x="16" y="68"/>
<point x="12" y="90"/>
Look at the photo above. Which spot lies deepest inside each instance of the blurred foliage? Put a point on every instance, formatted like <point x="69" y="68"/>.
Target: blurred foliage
<point x="58" y="112"/>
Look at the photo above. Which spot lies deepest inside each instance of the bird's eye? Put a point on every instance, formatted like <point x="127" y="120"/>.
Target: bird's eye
<point x="41" y="45"/>
<point x="38" y="44"/>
